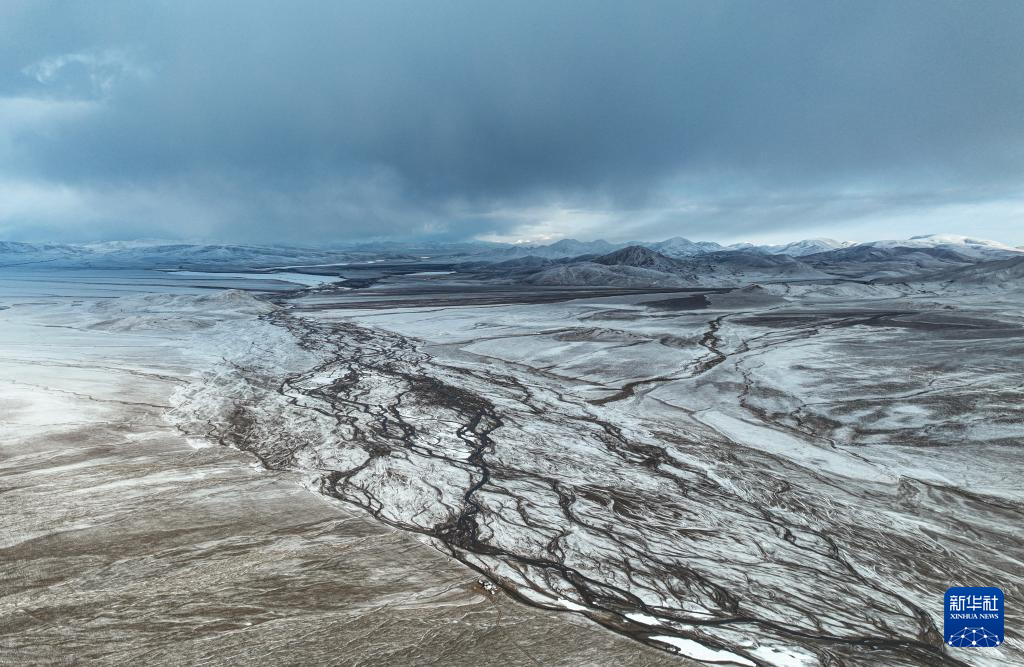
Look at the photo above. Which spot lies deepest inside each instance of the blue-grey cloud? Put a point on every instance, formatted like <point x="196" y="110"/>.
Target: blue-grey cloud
<point x="331" y="120"/>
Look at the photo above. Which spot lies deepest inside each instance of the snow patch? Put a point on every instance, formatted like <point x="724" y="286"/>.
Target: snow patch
<point x="692" y="649"/>
<point x="784" y="657"/>
<point x="643" y="618"/>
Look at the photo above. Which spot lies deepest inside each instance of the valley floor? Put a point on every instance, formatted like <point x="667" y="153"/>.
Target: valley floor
<point x="781" y="475"/>
<point x="124" y="540"/>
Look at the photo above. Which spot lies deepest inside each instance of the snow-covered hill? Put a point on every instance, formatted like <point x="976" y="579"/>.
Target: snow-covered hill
<point x="640" y="257"/>
<point x="1002" y="273"/>
<point x="556" y="250"/>
<point x="806" y="247"/>
<point x="677" y="246"/>
<point x="964" y="245"/>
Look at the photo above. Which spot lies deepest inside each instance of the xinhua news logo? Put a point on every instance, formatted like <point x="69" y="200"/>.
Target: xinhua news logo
<point x="974" y="617"/>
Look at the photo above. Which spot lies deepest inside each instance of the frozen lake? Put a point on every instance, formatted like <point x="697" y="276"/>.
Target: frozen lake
<point x="18" y="283"/>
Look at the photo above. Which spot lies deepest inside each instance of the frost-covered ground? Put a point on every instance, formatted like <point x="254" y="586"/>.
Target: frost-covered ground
<point x="124" y="540"/>
<point x="782" y="476"/>
<point x="786" y="475"/>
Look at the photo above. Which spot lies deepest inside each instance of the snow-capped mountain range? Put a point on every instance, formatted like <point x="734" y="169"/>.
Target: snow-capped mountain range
<point x="681" y="263"/>
<point x="681" y="247"/>
<point x="813" y="254"/>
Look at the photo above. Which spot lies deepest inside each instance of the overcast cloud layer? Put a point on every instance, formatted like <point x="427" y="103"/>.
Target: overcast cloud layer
<point x="315" y="122"/>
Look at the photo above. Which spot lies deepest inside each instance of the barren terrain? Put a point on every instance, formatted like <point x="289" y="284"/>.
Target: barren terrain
<point x="787" y="474"/>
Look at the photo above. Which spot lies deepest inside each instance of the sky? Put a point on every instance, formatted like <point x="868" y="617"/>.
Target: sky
<point x="321" y="122"/>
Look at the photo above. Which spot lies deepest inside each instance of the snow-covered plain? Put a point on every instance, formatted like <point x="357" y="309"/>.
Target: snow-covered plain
<point x="790" y="474"/>
<point x="124" y="540"/>
<point x="780" y="476"/>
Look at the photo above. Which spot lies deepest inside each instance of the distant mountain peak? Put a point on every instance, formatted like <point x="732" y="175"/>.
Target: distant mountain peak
<point x="807" y="247"/>
<point x="638" y="256"/>
<point x="677" y="246"/>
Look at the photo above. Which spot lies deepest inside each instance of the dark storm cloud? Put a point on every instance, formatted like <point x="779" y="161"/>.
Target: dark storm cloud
<point x="284" y="120"/>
